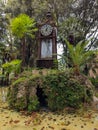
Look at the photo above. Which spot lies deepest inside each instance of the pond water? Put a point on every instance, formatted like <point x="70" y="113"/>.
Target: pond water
<point x="44" y="120"/>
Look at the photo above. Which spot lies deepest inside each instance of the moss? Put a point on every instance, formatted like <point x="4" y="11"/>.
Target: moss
<point x="33" y="104"/>
<point x="18" y="81"/>
<point x="20" y="104"/>
<point x="11" y="96"/>
<point x="61" y="88"/>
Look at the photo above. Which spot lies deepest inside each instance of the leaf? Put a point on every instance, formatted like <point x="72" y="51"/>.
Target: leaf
<point x="16" y="121"/>
<point x="10" y="121"/>
<point x="23" y="25"/>
<point x="12" y="66"/>
<point x="78" y="55"/>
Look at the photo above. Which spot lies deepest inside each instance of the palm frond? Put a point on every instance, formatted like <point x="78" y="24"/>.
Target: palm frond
<point x="78" y="54"/>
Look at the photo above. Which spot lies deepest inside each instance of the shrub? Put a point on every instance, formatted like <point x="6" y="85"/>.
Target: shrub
<point x="74" y="93"/>
<point x="62" y="89"/>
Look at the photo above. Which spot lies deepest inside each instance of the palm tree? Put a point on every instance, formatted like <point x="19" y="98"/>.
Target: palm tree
<point x="78" y="56"/>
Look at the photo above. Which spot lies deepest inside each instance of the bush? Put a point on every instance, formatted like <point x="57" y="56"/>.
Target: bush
<point x="63" y="89"/>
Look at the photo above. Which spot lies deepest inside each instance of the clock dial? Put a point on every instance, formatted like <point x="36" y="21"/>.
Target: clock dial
<point x="46" y="29"/>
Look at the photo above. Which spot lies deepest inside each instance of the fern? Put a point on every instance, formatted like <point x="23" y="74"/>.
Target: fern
<point x="13" y="66"/>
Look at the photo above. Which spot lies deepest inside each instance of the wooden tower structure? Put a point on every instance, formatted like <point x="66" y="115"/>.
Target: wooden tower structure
<point x="47" y="43"/>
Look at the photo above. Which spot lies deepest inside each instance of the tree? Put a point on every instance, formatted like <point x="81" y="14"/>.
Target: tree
<point x="22" y="27"/>
<point x="78" y="56"/>
<point x="2" y="31"/>
<point x="71" y="28"/>
<point x="78" y="17"/>
<point x="12" y="67"/>
<point x="89" y="18"/>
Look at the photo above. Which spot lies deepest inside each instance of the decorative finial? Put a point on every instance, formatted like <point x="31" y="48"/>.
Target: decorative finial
<point x="48" y="15"/>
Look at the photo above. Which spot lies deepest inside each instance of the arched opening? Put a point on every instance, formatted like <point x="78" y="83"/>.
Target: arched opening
<point x="41" y="97"/>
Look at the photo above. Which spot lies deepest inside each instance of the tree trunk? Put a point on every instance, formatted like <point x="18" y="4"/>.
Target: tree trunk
<point x="76" y="70"/>
<point x="23" y="53"/>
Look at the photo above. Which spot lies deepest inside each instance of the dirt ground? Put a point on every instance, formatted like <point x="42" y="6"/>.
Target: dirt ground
<point x="44" y="120"/>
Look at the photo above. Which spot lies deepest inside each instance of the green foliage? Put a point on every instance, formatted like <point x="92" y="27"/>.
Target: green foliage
<point x="23" y="25"/>
<point x="13" y="66"/>
<point x="78" y="56"/>
<point x="72" y="25"/>
<point x="33" y="104"/>
<point x="11" y="96"/>
<point x="2" y="76"/>
<point x="94" y="81"/>
<point x="18" y="81"/>
<point x="21" y="104"/>
<point x="63" y="89"/>
<point x="74" y="93"/>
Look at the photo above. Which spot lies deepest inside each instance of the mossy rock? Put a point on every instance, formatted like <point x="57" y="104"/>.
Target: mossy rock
<point x="63" y="89"/>
<point x="33" y="104"/>
<point x="21" y="103"/>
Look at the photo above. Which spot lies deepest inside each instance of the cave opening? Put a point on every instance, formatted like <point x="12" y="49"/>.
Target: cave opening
<point x="41" y="97"/>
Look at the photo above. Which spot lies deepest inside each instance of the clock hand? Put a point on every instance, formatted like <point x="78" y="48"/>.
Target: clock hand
<point x="46" y="29"/>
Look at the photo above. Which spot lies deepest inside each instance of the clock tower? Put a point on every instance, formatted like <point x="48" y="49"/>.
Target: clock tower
<point x="47" y="44"/>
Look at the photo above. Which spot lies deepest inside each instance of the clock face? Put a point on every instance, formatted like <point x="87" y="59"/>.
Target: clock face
<point x="46" y="29"/>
